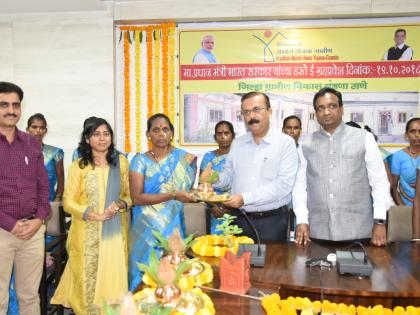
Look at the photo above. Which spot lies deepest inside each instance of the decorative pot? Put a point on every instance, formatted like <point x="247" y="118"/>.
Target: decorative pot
<point x="168" y="295"/>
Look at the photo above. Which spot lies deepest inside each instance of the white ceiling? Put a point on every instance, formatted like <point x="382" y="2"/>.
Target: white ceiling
<point x="38" y="6"/>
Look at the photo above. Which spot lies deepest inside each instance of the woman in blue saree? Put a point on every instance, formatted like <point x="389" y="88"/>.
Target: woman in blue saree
<point x="404" y="165"/>
<point x="53" y="156"/>
<point x="224" y="135"/>
<point x="159" y="183"/>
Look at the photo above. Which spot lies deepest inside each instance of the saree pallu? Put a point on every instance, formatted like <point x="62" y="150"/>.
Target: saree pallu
<point x="52" y="155"/>
<point x="175" y="172"/>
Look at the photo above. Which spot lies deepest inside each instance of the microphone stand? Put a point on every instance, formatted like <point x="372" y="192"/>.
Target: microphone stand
<point x="257" y="256"/>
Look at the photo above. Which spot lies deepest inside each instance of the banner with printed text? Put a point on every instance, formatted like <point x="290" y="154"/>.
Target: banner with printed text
<point x="376" y="67"/>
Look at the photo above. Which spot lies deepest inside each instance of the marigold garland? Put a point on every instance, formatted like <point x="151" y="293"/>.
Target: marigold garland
<point x="154" y="78"/>
<point x="149" y="35"/>
<point x="217" y="245"/>
<point x="273" y="305"/>
<point x="208" y="308"/>
<point x="138" y="89"/>
<point x="188" y="282"/>
<point x="127" y="144"/>
<point x="165" y="82"/>
<point x="156" y="70"/>
<point x="171" y="86"/>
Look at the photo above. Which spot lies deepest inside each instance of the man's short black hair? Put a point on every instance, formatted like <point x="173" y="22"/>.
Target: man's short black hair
<point x="326" y="90"/>
<point x="400" y="30"/>
<point x="252" y="94"/>
<point x="7" y="87"/>
<point x="292" y="117"/>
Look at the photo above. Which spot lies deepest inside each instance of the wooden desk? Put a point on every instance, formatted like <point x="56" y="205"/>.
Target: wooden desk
<point x="395" y="279"/>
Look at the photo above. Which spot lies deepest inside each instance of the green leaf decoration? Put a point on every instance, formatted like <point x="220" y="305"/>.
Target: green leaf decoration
<point x="141" y="37"/>
<point x="213" y="177"/>
<point x="128" y="37"/>
<point x="160" y="310"/>
<point x="162" y="242"/>
<point x="226" y="226"/>
<point x="182" y="267"/>
<point x="189" y="241"/>
<point x="121" y="34"/>
<point x="109" y="310"/>
<point x="152" y="269"/>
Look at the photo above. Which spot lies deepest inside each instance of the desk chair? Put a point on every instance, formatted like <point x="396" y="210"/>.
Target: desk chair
<point x="400" y="223"/>
<point x="195" y="218"/>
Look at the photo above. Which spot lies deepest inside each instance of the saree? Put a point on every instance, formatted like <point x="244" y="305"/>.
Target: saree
<point x="175" y="172"/>
<point x="52" y="155"/>
<point x="218" y="161"/>
<point x="96" y="271"/>
<point x="405" y="166"/>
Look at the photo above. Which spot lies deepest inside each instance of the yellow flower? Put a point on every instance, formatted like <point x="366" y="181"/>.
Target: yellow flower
<point x="377" y="310"/>
<point x="399" y="310"/>
<point x="326" y="306"/>
<point x="387" y="311"/>
<point x="306" y="303"/>
<point x="352" y="309"/>
<point x="411" y="310"/>
<point x="317" y="306"/>
<point x="343" y="309"/>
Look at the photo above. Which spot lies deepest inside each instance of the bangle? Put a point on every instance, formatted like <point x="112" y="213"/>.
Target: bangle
<point x="415" y="239"/>
<point x="174" y="195"/>
<point x="125" y="206"/>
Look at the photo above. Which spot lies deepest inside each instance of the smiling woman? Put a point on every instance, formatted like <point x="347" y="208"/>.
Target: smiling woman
<point x="97" y="196"/>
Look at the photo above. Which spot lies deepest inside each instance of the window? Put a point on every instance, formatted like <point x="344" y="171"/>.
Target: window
<point x="238" y="116"/>
<point x="298" y="112"/>
<point x="402" y="118"/>
<point x="216" y="115"/>
<point x="356" y="117"/>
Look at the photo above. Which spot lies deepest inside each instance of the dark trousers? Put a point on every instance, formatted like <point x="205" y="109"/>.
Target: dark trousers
<point x="271" y="225"/>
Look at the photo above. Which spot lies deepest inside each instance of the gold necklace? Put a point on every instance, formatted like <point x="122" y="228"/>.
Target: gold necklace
<point x="167" y="152"/>
<point x="412" y="152"/>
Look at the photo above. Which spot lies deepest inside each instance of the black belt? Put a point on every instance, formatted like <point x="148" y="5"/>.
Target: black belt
<point x="266" y="213"/>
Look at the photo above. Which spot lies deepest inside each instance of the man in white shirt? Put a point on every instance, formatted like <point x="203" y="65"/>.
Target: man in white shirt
<point x="400" y="51"/>
<point x="260" y="171"/>
<point x="344" y="193"/>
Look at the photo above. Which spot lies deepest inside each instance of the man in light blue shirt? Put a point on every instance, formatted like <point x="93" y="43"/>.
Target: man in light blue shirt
<point x="260" y="171"/>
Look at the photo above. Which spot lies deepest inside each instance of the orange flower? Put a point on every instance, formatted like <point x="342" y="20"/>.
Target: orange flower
<point x="165" y="69"/>
<point x="127" y="144"/>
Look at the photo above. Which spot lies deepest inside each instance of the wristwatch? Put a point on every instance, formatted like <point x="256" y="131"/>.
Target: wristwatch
<point x="379" y="221"/>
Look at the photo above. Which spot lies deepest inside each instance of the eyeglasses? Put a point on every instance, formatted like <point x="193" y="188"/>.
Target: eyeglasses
<point x="322" y="108"/>
<point x="255" y="110"/>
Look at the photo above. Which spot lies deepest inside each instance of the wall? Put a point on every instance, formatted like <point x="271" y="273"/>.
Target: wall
<point x="218" y="10"/>
<point x="64" y="61"/>
<point x="64" y="64"/>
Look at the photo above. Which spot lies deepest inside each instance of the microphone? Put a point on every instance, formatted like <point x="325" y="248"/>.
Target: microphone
<point x="257" y="254"/>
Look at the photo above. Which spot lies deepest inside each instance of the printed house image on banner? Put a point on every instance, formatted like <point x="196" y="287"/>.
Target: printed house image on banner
<point x="385" y="112"/>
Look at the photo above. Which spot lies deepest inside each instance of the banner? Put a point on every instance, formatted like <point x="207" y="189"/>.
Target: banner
<point x="376" y="67"/>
